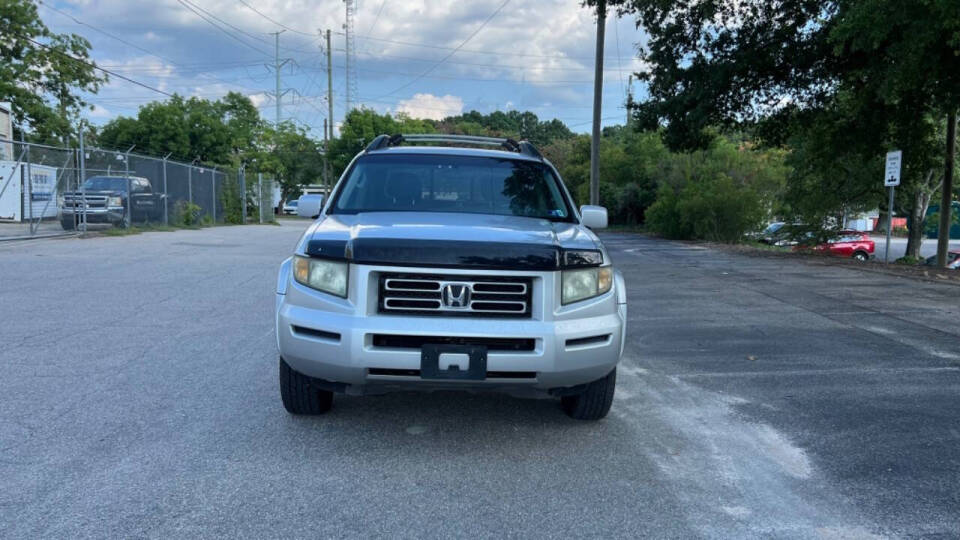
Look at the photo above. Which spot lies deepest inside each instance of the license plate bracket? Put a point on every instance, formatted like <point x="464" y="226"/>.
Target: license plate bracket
<point x="430" y="362"/>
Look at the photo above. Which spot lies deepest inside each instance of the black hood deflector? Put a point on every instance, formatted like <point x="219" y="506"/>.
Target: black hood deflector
<point x="439" y="253"/>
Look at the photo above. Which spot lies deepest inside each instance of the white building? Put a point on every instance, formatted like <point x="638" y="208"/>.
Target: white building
<point x="6" y="131"/>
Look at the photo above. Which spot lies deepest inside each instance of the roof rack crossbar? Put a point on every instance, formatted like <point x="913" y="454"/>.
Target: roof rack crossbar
<point x="378" y="142"/>
<point x="522" y="147"/>
<point x="440" y="137"/>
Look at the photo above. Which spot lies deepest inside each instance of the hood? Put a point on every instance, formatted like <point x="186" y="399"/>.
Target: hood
<point x="450" y="240"/>
<point x="95" y="193"/>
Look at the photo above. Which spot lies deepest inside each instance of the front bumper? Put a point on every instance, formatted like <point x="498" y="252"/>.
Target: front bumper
<point x="332" y="339"/>
<point x="94" y="215"/>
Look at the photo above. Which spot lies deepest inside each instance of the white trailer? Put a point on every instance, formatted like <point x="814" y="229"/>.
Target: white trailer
<point x="24" y="198"/>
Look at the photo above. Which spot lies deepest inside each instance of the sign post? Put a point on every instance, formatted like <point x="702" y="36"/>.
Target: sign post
<point x="891" y="179"/>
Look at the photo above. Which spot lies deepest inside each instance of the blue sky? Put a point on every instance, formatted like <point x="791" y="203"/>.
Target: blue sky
<point x="531" y="55"/>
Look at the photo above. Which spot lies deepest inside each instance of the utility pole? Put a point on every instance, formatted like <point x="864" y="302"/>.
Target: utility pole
<point x="597" y="103"/>
<point x="326" y="168"/>
<point x="946" y="195"/>
<point x="330" y="83"/>
<point x="277" y="66"/>
<point x="328" y="131"/>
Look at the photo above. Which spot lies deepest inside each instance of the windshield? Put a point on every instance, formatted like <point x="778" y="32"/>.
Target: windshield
<point x="463" y="184"/>
<point x="772" y="228"/>
<point x="293" y="203"/>
<point x="106" y="183"/>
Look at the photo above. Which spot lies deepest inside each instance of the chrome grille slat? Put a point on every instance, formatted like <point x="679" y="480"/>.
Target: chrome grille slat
<point x="423" y="294"/>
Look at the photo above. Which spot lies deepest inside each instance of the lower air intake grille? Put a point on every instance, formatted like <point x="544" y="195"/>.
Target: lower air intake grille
<point x="416" y="342"/>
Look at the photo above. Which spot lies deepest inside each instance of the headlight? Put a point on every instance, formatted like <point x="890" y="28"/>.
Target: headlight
<point x="585" y="283"/>
<point x="115" y="201"/>
<point x="321" y="274"/>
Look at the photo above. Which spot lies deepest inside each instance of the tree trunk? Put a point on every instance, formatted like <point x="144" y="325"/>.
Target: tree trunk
<point x="946" y="195"/>
<point x="918" y="213"/>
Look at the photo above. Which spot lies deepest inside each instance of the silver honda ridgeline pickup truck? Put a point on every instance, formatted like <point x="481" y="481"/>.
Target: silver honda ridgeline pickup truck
<point x="455" y="268"/>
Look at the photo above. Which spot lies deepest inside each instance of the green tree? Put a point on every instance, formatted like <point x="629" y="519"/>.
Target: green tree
<point x="519" y="125"/>
<point x="291" y="156"/>
<point x="225" y="132"/>
<point x="43" y="73"/>
<point x="792" y="68"/>
<point x="363" y="125"/>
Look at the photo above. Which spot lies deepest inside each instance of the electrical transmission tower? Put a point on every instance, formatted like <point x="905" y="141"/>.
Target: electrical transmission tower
<point x="278" y="64"/>
<point x="351" y="50"/>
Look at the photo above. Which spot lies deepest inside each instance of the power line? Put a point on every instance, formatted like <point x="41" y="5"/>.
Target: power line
<point x="187" y="5"/>
<point x="499" y="66"/>
<point x="276" y="22"/>
<point x="94" y="66"/>
<point x="454" y="51"/>
<point x="129" y="44"/>
<point x="471" y="51"/>
<point x="242" y="31"/>
<point x="375" y="19"/>
<point x="479" y="79"/>
<point x="591" y="121"/>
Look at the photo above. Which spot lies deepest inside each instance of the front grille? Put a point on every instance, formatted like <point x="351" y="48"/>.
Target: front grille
<point x="417" y="342"/>
<point x="452" y="295"/>
<point x="92" y="201"/>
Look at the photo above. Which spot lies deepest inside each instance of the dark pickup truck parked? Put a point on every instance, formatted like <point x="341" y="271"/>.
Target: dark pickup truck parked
<point x="106" y="199"/>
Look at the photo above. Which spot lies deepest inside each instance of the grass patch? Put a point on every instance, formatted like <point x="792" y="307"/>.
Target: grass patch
<point x="763" y="246"/>
<point x="149" y="227"/>
<point x="627" y="228"/>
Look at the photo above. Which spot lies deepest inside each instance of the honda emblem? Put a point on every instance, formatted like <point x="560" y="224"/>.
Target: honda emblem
<point x="456" y="295"/>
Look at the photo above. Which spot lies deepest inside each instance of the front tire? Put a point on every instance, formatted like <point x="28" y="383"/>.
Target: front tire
<point x="861" y="256"/>
<point x="299" y="395"/>
<point x="68" y="224"/>
<point x="595" y="402"/>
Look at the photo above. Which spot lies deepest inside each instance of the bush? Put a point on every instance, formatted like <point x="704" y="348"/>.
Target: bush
<point x="232" y="203"/>
<point x="608" y="194"/>
<point x="712" y="208"/>
<point x="186" y="214"/>
<point x="909" y="260"/>
<point x="630" y="206"/>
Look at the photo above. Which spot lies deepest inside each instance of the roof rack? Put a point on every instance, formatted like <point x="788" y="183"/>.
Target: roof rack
<point x="522" y="147"/>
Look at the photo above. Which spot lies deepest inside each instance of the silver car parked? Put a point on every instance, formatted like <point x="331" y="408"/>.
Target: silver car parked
<point x="450" y="267"/>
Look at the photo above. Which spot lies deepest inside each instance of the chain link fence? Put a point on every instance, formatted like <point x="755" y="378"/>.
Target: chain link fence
<point x="48" y="190"/>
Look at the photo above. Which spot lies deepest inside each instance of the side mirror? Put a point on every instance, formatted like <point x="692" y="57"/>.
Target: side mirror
<point x="309" y="205"/>
<point x="594" y="217"/>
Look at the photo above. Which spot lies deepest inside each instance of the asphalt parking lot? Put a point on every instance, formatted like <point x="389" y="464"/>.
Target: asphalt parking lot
<point x="758" y="397"/>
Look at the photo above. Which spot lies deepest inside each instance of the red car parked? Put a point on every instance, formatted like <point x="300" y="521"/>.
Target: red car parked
<point x="853" y="244"/>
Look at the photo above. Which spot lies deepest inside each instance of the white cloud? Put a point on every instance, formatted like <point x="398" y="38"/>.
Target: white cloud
<point x="259" y="100"/>
<point x="99" y="112"/>
<point x="431" y="106"/>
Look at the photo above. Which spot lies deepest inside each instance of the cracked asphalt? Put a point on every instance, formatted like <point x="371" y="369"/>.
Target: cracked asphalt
<point x="758" y="397"/>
